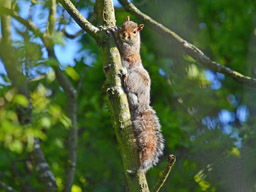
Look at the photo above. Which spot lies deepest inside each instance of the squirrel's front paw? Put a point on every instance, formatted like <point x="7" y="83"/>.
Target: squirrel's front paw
<point x="123" y="72"/>
<point x="112" y="29"/>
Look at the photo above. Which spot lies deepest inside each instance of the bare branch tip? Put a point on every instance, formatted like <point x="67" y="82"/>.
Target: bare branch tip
<point x="171" y="159"/>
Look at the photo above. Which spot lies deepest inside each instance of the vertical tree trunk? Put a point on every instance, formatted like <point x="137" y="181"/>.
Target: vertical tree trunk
<point x="118" y="103"/>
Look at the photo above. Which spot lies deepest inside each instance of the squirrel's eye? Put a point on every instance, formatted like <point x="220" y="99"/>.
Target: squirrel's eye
<point x="134" y="32"/>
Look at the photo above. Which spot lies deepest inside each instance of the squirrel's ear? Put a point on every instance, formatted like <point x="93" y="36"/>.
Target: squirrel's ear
<point x="140" y="27"/>
<point x="127" y="18"/>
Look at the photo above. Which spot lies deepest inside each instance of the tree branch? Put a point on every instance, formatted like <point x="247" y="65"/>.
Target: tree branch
<point x="105" y="13"/>
<point x="47" y="177"/>
<point x="20" y="81"/>
<point x="52" y="16"/>
<point x="27" y="23"/>
<point x="42" y="167"/>
<point x="165" y="173"/>
<point x="189" y="48"/>
<point x="6" y="187"/>
<point x="71" y="94"/>
<point x="72" y="36"/>
<point x="77" y="16"/>
<point x="117" y="99"/>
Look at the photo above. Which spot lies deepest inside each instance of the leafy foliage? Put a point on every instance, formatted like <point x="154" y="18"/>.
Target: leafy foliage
<point x="208" y="119"/>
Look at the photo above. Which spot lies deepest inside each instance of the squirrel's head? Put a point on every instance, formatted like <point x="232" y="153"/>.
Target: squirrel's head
<point x="129" y="31"/>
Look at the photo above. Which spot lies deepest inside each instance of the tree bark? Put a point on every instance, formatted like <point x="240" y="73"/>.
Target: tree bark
<point x="117" y="99"/>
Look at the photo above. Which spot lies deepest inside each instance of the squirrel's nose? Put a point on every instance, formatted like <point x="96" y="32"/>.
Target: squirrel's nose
<point x="125" y="35"/>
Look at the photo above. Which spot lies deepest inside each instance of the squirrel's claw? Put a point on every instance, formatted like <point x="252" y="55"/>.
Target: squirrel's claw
<point x="123" y="72"/>
<point x="112" y="29"/>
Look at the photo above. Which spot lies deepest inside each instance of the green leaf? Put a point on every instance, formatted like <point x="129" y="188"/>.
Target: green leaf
<point x="9" y="94"/>
<point x="45" y="122"/>
<point x="72" y="73"/>
<point x="200" y="179"/>
<point x="21" y="100"/>
<point x="55" y="111"/>
<point x="235" y="152"/>
<point x="76" y="188"/>
<point x="65" y="121"/>
<point x="50" y="76"/>
<point x="16" y="146"/>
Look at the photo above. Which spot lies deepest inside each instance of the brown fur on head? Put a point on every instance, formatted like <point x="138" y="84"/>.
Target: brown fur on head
<point x="129" y="31"/>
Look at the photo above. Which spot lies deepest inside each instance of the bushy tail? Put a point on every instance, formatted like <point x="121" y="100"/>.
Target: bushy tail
<point x="150" y="141"/>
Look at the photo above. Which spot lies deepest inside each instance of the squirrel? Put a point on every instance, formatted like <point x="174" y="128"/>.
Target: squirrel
<point x="136" y="81"/>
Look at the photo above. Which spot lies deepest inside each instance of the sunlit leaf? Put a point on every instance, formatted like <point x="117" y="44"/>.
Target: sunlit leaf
<point x="65" y="121"/>
<point x="11" y="115"/>
<point x="38" y="99"/>
<point x="9" y="95"/>
<point x="200" y="179"/>
<point x="235" y="151"/>
<point x="193" y="71"/>
<point x="16" y="146"/>
<point x="55" y="111"/>
<point x="72" y="73"/>
<point x="20" y="99"/>
<point x="45" y="122"/>
<point x="50" y="76"/>
<point x="59" y="183"/>
<point x="76" y="188"/>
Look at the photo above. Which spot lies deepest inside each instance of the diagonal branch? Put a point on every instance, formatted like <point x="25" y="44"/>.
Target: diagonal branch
<point x="72" y="36"/>
<point x="165" y="173"/>
<point x="78" y="17"/>
<point x="42" y="167"/>
<point x="6" y="187"/>
<point x="189" y="48"/>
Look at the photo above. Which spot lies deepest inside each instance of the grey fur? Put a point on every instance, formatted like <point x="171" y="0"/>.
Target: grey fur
<point x="137" y="83"/>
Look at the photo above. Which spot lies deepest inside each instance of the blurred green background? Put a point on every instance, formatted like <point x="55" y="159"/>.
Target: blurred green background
<point x="208" y="119"/>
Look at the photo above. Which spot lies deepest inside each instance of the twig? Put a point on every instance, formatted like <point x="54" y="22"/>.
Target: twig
<point x="6" y="187"/>
<point x="189" y="48"/>
<point x="165" y="173"/>
<point x="77" y="16"/>
<point x="72" y="36"/>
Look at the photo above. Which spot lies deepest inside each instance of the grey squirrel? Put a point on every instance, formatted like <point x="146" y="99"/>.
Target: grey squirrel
<point x="136" y="80"/>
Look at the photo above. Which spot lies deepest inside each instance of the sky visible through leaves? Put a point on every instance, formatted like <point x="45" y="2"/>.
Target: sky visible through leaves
<point x="66" y="56"/>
